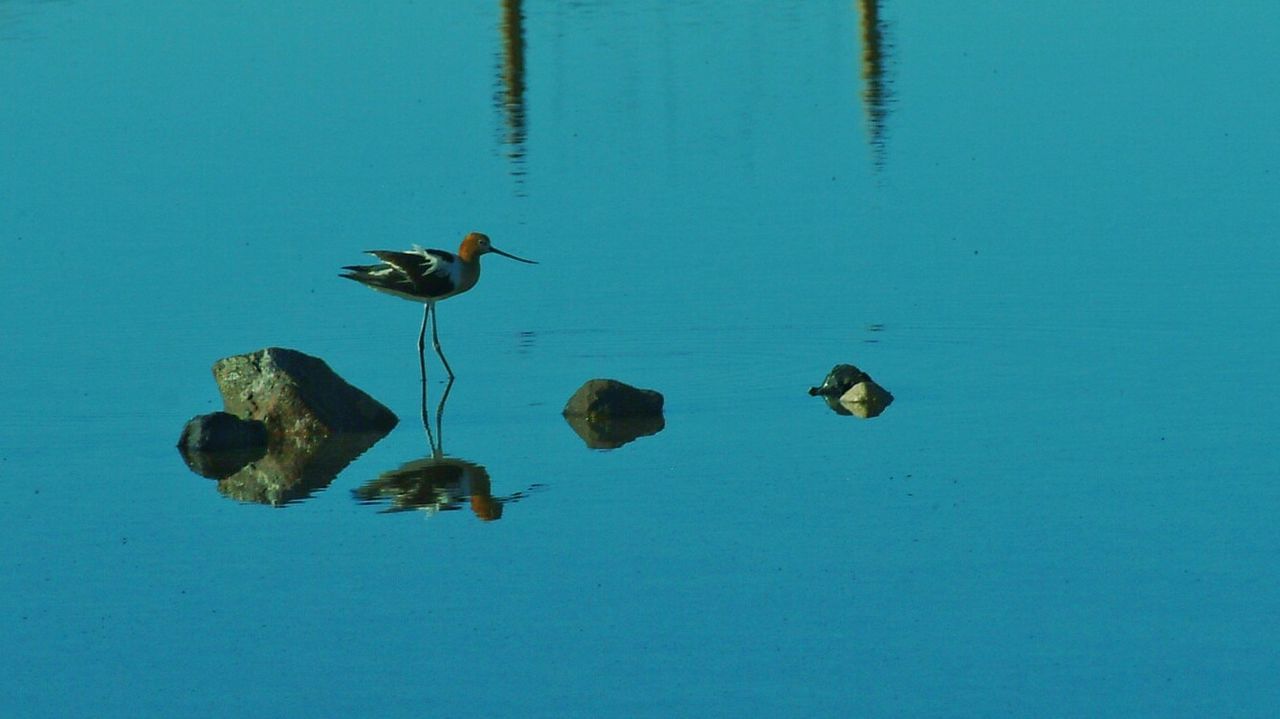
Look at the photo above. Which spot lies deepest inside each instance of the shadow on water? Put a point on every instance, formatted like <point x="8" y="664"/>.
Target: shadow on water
<point x="509" y="96"/>
<point x="437" y="483"/>
<point x="876" y="92"/>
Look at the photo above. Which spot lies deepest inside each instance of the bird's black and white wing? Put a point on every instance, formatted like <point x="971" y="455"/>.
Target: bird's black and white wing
<point x="418" y="275"/>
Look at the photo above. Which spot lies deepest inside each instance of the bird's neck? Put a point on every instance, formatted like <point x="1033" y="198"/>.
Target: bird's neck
<point x="469" y="251"/>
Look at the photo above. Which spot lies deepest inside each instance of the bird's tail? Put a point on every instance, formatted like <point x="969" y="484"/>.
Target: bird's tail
<point x="371" y="275"/>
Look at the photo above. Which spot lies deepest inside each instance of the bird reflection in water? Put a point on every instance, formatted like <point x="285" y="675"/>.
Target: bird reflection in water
<point x="437" y="483"/>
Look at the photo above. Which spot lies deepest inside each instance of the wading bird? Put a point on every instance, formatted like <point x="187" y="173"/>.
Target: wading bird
<point x="427" y="276"/>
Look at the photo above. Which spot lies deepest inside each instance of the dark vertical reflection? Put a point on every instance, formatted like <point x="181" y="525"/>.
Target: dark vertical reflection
<point x="876" y="94"/>
<point x="510" y="95"/>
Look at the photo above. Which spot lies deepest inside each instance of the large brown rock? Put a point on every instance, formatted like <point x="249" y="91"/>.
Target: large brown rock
<point x="290" y="426"/>
<point x="296" y="396"/>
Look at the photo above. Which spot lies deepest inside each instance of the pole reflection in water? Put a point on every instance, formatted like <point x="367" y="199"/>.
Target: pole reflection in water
<point x="509" y="96"/>
<point x="876" y="95"/>
<point x="438" y="483"/>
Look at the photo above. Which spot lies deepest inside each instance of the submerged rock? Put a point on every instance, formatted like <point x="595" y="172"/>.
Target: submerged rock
<point x="296" y="395"/>
<point x="848" y="390"/>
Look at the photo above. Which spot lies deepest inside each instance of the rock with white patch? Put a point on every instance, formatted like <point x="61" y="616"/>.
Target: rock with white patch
<point x="850" y="391"/>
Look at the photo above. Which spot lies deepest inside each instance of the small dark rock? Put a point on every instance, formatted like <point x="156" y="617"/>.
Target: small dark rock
<point x="220" y="465"/>
<point x="839" y="380"/>
<point x="220" y="432"/>
<point x="600" y="399"/>
<point x="217" y="445"/>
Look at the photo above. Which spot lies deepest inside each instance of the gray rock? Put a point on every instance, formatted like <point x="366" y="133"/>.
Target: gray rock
<point x="600" y="399"/>
<point x="296" y="396"/>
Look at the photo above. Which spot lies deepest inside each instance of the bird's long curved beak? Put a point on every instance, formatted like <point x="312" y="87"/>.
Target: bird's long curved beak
<point x="495" y="250"/>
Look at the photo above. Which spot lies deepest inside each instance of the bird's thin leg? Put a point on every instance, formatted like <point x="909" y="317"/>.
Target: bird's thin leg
<point x="435" y="340"/>
<point x="439" y="448"/>
<point x="422" y="372"/>
<point x="422" y="345"/>
<point x="426" y="422"/>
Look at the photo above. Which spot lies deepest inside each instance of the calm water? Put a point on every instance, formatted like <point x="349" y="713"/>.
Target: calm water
<point x="1050" y="231"/>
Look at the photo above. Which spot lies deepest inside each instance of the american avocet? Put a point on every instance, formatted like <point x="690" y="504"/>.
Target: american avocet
<point x="427" y="276"/>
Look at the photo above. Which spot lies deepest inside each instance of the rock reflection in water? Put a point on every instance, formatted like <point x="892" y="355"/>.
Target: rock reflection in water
<point x="613" y="433"/>
<point x="289" y="472"/>
<point x="220" y="464"/>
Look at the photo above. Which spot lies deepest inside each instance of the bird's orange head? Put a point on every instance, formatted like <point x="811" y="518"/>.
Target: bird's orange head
<point x="477" y="243"/>
<point x="474" y="245"/>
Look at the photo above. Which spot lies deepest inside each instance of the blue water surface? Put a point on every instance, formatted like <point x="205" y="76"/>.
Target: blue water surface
<point x="1049" y="230"/>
